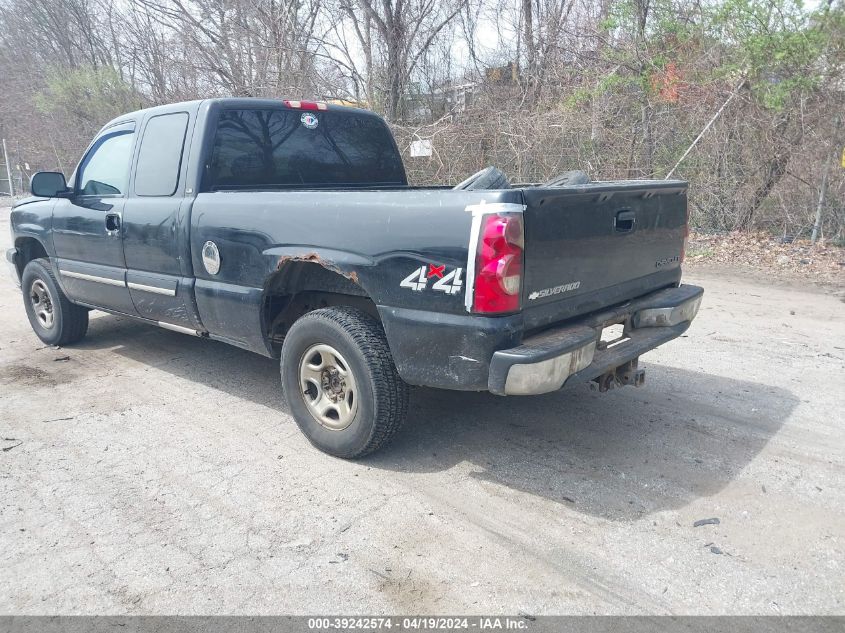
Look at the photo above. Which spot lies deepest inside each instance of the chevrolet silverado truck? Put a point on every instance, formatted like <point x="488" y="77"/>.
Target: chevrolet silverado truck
<point x="288" y="228"/>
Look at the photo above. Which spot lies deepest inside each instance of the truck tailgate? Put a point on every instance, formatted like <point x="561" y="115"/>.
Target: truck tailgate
<point x="594" y="245"/>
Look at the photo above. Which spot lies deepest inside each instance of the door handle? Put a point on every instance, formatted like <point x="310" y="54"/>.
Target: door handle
<point x="112" y="223"/>
<point x="625" y="221"/>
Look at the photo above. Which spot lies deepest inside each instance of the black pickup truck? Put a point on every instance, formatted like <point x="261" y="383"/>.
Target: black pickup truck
<point x="288" y="228"/>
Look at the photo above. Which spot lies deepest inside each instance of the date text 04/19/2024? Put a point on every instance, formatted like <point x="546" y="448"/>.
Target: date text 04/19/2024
<point x="427" y="623"/>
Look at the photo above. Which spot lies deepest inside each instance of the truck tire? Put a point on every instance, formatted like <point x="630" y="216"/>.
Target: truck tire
<point x="487" y="178"/>
<point x="568" y="178"/>
<point x="341" y="383"/>
<point x="54" y="319"/>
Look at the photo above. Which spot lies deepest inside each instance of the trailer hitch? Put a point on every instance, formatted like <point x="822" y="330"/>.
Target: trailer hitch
<point x="626" y="374"/>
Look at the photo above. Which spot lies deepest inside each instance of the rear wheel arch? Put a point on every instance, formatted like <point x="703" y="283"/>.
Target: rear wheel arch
<point x="300" y="287"/>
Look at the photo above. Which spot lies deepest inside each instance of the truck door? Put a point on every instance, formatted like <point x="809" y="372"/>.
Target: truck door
<point x="87" y="226"/>
<point x="155" y="237"/>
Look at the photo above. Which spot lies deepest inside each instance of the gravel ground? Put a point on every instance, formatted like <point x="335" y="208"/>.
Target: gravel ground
<point x="143" y="471"/>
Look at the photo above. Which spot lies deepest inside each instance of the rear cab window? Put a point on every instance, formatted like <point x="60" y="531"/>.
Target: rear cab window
<point x="160" y="155"/>
<point x="288" y="148"/>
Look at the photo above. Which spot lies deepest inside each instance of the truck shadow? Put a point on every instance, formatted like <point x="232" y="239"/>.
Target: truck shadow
<point x="620" y="455"/>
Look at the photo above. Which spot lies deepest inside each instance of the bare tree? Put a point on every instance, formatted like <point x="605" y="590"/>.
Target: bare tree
<point x="394" y="36"/>
<point x="248" y="47"/>
<point x="619" y="88"/>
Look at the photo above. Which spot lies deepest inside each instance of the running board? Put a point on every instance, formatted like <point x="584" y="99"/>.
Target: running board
<point x="179" y="328"/>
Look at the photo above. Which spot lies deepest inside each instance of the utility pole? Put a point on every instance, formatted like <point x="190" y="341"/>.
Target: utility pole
<point x="817" y="225"/>
<point x="8" y="170"/>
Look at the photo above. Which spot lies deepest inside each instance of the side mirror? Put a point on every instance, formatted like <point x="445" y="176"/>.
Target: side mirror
<point x="48" y="184"/>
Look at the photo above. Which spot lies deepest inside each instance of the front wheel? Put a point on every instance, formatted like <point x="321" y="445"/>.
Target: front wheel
<point x="52" y="316"/>
<point x="341" y="383"/>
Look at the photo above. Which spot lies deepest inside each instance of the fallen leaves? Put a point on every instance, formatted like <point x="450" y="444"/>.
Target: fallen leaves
<point x="798" y="259"/>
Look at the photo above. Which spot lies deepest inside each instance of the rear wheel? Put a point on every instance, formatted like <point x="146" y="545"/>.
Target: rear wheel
<point x="54" y="319"/>
<point x="341" y="383"/>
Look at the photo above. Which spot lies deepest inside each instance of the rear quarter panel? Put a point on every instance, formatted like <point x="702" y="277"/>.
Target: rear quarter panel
<point x="374" y="238"/>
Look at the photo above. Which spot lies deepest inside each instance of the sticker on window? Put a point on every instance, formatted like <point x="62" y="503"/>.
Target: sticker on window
<point x="309" y="120"/>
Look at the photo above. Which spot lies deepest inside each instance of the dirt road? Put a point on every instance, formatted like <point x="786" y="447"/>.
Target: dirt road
<point x="145" y="471"/>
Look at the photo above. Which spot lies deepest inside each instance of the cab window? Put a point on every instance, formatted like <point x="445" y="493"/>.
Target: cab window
<point x="160" y="156"/>
<point x="105" y="169"/>
<point x="276" y="148"/>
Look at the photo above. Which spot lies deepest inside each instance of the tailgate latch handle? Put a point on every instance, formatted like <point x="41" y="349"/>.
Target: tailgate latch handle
<point x="625" y="221"/>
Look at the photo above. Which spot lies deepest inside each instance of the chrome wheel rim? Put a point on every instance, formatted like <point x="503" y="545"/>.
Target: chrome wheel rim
<point x="328" y="387"/>
<point x="42" y="303"/>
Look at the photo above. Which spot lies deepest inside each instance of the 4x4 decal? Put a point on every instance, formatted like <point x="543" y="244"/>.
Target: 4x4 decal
<point x="451" y="283"/>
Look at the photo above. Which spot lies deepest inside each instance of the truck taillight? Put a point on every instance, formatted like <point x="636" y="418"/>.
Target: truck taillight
<point x="686" y="239"/>
<point x="499" y="263"/>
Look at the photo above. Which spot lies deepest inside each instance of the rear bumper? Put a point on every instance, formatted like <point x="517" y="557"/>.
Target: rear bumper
<point x="447" y="351"/>
<point x="574" y="353"/>
<point x="11" y="260"/>
<point x="475" y="353"/>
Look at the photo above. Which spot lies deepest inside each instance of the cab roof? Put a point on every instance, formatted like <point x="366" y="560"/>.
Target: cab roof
<point x="232" y="103"/>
